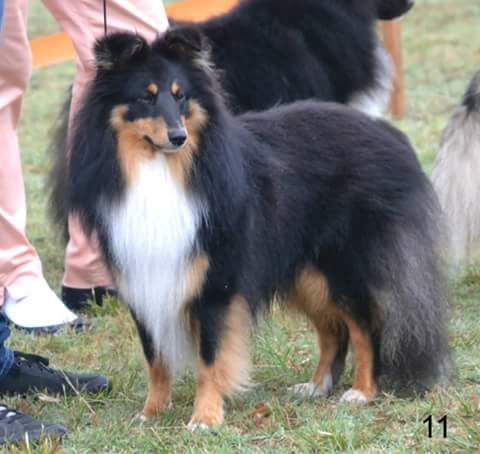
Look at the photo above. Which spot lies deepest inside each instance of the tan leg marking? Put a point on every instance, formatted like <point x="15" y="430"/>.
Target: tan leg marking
<point x="230" y="371"/>
<point x="312" y="297"/>
<point x="364" y="388"/>
<point x="196" y="276"/>
<point x="159" y="389"/>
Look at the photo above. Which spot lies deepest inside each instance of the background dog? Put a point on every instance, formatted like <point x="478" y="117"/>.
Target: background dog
<point x="456" y="176"/>
<point x="304" y="49"/>
<point x="204" y="217"/>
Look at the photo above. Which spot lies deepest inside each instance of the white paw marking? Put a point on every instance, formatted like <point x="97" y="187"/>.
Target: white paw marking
<point x="313" y="389"/>
<point x="193" y="426"/>
<point x="354" y="396"/>
<point x="142" y="418"/>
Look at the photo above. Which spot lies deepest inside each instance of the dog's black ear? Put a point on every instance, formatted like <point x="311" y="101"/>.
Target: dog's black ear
<point x="392" y="9"/>
<point x="117" y="50"/>
<point x="186" y="41"/>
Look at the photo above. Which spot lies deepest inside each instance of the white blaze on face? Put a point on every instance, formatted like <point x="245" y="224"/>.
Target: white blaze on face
<point x="152" y="233"/>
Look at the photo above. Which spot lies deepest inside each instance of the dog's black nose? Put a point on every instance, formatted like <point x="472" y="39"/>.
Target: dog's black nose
<point x="177" y="137"/>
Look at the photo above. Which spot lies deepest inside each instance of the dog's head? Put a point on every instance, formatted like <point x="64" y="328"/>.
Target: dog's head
<point x="146" y="102"/>
<point x="155" y="96"/>
<point x="392" y="9"/>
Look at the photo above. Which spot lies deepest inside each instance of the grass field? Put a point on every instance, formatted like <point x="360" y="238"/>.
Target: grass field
<point x="442" y="50"/>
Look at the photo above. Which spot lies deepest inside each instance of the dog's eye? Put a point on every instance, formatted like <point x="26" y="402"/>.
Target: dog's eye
<point x="146" y="99"/>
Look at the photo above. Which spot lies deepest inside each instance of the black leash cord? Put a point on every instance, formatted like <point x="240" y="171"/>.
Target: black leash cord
<point x="105" y="16"/>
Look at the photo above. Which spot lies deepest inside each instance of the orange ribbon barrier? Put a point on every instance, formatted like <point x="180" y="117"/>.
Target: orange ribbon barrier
<point x="57" y="48"/>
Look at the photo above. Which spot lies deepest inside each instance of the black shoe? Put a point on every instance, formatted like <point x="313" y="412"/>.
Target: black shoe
<point x="16" y="427"/>
<point x="77" y="299"/>
<point x="30" y="374"/>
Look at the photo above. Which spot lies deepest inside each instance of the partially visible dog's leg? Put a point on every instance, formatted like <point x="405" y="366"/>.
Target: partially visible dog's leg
<point x="333" y="349"/>
<point x="159" y="389"/>
<point x="229" y="369"/>
<point x="311" y="297"/>
<point x="159" y="380"/>
<point x="364" y="388"/>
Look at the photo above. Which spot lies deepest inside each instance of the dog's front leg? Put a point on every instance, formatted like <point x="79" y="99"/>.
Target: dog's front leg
<point x="159" y="377"/>
<point x="159" y="388"/>
<point x="223" y="361"/>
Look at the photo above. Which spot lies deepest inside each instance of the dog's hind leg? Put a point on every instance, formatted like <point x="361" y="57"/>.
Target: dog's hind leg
<point x="223" y="363"/>
<point x="333" y="344"/>
<point x="311" y="297"/>
<point x="364" y="388"/>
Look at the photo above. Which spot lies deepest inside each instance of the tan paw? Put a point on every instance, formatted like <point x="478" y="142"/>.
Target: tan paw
<point x="205" y="420"/>
<point x="150" y="410"/>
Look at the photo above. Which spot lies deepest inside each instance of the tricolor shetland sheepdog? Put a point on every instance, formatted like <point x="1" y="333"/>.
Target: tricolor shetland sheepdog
<point x="456" y="177"/>
<point x="205" y="217"/>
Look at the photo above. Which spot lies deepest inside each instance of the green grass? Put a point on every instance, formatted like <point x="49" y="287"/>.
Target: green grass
<point x="442" y="50"/>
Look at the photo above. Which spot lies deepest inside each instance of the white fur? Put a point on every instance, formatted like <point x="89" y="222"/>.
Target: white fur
<point x="312" y="389"/>
<point x="374" y="101"/>
<point x="197" y="426"/>
<point x="456" y="178"/>
<point x="354" y="396"/>
<point x="152" y="233"/>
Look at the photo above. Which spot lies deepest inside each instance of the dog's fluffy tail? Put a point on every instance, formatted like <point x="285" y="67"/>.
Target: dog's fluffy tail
<point x="58" y="177"/>
<point x="456" y="176"/>
<point x="411" y="294"/>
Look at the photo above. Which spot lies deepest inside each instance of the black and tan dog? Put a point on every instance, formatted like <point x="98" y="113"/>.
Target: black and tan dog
<point x="205" y="217"/>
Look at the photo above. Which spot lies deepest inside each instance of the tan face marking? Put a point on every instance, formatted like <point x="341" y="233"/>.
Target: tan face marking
<point x="134" y="147"/>
<point x="152" y="89"/>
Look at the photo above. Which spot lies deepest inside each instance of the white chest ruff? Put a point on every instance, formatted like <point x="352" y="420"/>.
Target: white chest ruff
<point x="152" y="234"/>
<point x="374" y="101"/>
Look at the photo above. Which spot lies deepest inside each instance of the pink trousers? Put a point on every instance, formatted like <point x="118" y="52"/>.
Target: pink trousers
<point x="20" y="266"/>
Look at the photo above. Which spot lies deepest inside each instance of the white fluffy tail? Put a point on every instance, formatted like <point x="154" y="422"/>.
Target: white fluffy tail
<point x="456" y="177"/>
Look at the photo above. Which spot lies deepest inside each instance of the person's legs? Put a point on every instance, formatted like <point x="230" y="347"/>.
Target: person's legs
<point x="29" y="301"/>
<point x="22" y="373"/>
<point x="84" y="23"/>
